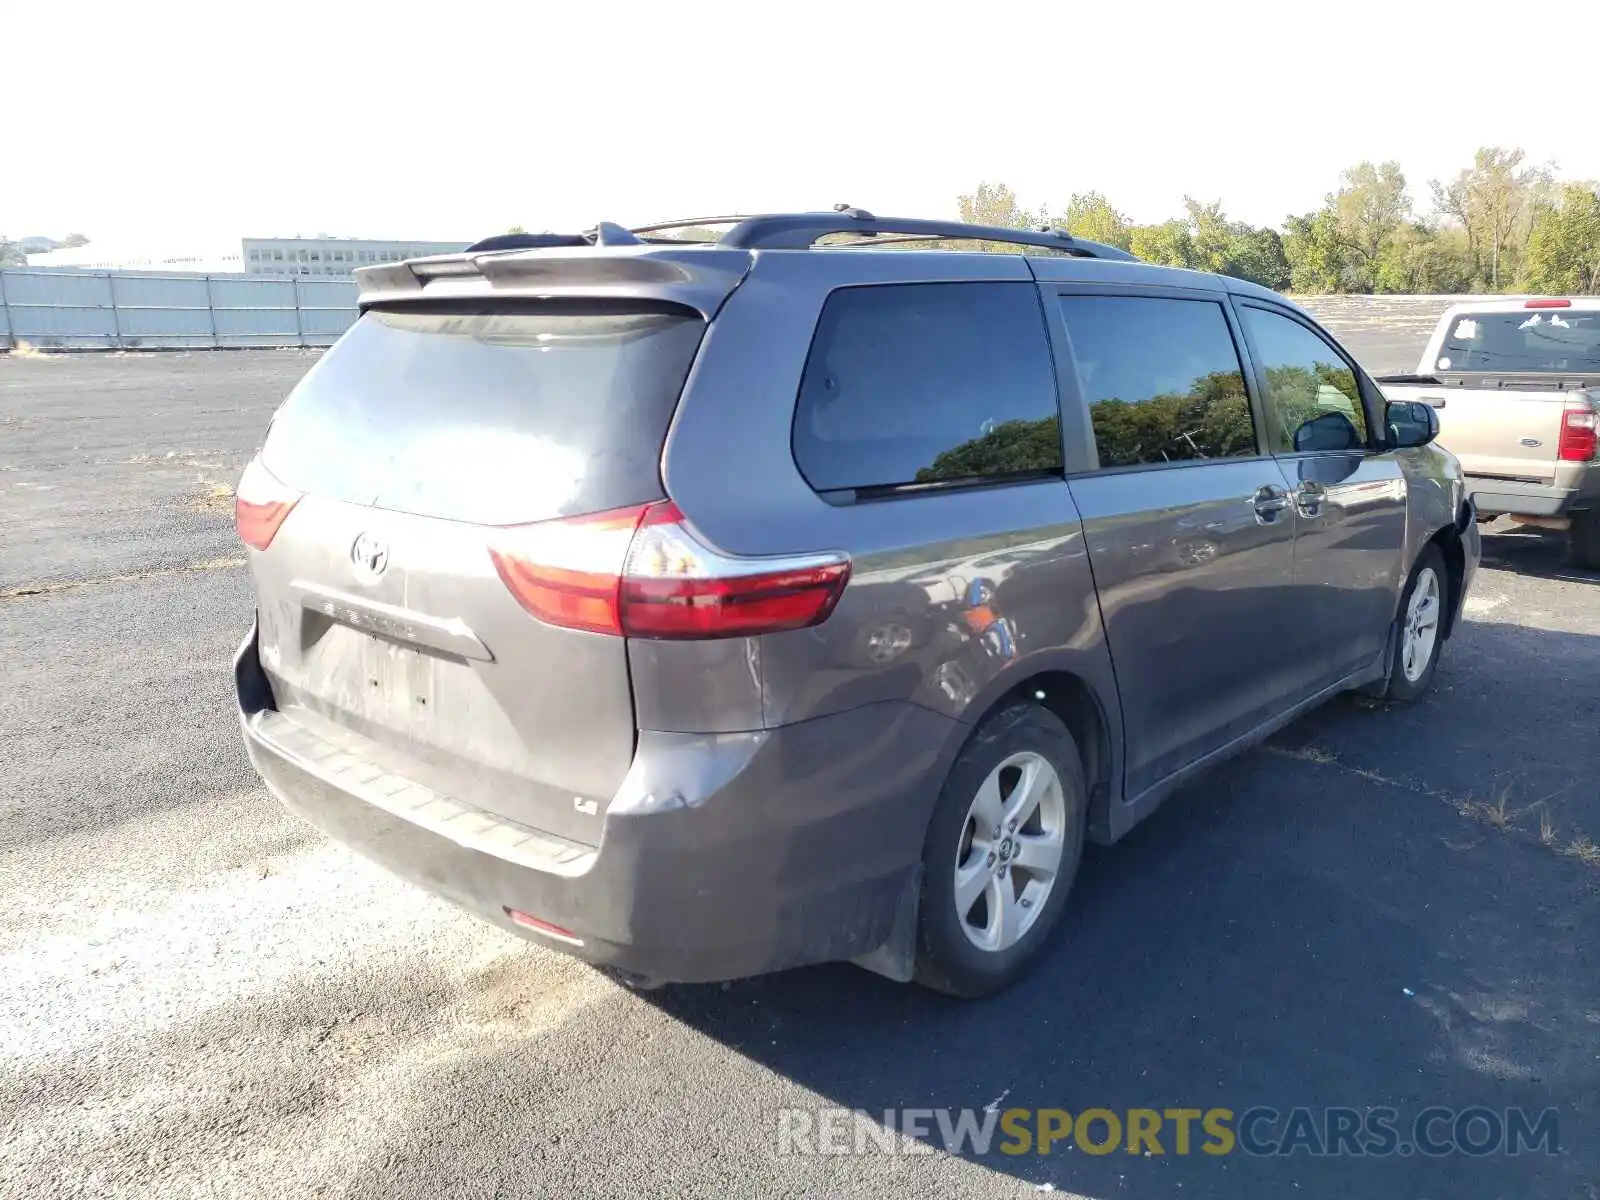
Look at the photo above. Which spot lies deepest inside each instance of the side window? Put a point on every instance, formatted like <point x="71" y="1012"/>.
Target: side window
<point x="927" y="383"/>
<point x="1312" y="399"/>
<point x="1162" y="379"/>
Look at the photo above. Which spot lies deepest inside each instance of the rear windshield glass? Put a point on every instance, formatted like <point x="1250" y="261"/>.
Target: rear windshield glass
<point x="1550" y="339"/>
<point x="495" y="418"/>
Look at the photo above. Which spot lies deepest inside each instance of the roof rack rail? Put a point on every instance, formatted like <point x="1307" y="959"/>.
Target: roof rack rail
<point x="603" y="234"/>
<point x="799" y="231"/>
<point x="691" y="223"/>
<point x="526" y="241"/>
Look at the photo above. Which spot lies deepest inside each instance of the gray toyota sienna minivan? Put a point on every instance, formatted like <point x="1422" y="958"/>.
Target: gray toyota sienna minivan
<point x="709" y="608"/>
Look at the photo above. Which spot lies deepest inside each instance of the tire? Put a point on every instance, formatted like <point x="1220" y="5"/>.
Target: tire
<point x="1011" y="750"/>
<point x="1411" y="673"/>
<point x="1583" y="540"/>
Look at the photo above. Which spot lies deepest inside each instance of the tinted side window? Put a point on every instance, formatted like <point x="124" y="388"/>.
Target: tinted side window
<point x="927" y="383"/>
<point x="1312" y="399"/>
<point x="1162" y="379"/>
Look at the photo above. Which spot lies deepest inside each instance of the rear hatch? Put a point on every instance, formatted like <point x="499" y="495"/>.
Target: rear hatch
<point x="411" y="446"/>
<point x="1509" y="384"/>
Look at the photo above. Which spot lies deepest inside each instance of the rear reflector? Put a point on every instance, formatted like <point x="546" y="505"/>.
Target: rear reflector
<point x="640" y="572"/>
<point x="260" y="505"/>
<point x="534" y="923"/>
<point x="1578" y="434"/>
<point x="1547" y="304"/>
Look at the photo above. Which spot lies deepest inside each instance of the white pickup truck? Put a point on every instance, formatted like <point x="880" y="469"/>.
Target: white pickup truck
<point x="1517" y="387"/>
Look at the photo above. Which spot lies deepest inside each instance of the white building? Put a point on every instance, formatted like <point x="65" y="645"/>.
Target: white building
<point x="317" y="256"/>
<point x="114" y="256"/>
<point x="331" y="256"/>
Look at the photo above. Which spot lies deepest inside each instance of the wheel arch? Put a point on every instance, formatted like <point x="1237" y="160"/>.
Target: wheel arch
<point x="1448" y="540"/>
<point x="1086" y="706"/>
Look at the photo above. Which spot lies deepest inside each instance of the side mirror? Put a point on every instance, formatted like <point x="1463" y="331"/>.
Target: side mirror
<point x="1411" y="423"/>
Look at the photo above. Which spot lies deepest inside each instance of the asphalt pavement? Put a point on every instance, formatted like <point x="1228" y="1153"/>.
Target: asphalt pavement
<point x="200" y="996"/>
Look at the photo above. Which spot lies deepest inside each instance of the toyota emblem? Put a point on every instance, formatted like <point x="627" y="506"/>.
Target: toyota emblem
<point x="370" y="554"/>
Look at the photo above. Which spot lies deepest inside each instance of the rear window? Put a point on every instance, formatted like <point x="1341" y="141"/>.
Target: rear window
<point x="928" y="383"/>
<point x="489" y="417"/>
<point x="1555" y="340"/>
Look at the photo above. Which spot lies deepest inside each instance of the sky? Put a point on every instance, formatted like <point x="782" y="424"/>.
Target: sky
<point x="195" y="124"/>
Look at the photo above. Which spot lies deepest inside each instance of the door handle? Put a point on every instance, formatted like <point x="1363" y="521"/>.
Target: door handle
<point x="1308" y="498"/>
<point x="1268" y="502"/>
<point x="1434" y="401"/>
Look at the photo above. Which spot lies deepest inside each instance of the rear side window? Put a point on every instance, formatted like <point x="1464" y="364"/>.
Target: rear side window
<point x="1162" y="378"/>
<point x="495" y="418"/>
<point x="928" y="383"/>
<point x="1312" y="399"/>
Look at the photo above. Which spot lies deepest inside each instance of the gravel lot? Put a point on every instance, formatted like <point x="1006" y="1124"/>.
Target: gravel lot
<point x="199" y="996"/>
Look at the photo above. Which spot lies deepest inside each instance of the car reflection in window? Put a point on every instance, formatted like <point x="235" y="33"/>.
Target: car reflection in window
<point x="1009" y="448"/>
<point x="1209" y="420"/>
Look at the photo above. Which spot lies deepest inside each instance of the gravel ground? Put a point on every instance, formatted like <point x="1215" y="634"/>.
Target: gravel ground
<point x="199" y="996"/>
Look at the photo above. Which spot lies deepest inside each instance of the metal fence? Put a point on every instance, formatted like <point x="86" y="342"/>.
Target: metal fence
<point x="64" y="309"/>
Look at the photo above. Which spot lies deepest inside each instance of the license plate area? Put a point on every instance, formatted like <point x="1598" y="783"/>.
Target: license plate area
<point x="383" y="682"/>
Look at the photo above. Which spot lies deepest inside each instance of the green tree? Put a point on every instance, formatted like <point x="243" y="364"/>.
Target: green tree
<point x="11" y="254"/>
<point x="1423" y="258"/>
<point x="1090" y="215"/>
<point x="996" y="204"/>
<point x="1234" y="247"/>
<point x="1564" y="244"/>
<point x="1169" y="244"/>
<point x="1257" y="255"/>
<point x="1494" y="200"/>
<point x="1209" y="233"/>
<point x="1315" y="254"/>
<point x="1368" y="209"/>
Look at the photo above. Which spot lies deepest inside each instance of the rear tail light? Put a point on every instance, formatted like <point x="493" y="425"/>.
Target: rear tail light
<point x="640" y="572"/>
<point x="1578" y="429"/>
<point x="260" y="505"/>
<point x="1551" y="303"/>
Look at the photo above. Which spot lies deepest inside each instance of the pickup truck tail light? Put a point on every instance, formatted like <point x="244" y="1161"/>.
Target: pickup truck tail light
<point x="1578" y="433"/>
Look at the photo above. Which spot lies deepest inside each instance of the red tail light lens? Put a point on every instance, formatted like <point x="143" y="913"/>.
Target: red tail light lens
<point x="1547" y="303"/>
<point x="569" y="572"/>
<point x="260" y="505"/>
<point x="640" y="572"/>
<point x="1578" y="429"/>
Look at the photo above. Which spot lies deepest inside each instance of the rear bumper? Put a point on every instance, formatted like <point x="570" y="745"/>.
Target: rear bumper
<point x="722" y="856"/>
<point x="1495" y="497"/>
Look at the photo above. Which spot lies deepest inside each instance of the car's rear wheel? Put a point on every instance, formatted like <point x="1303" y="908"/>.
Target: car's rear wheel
<point x="1583" y="540"/>
<point x="1421" y="627"/>
<point x="1001" y="853"/>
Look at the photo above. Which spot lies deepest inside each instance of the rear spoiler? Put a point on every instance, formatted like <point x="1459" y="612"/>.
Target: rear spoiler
<point x="697" y="277"/>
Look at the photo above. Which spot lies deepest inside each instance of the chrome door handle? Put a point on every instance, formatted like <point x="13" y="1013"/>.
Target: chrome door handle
<point x="1435" y="401"/>
<point x="1268" y="502"/>
<point x="1308" y="498"/>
